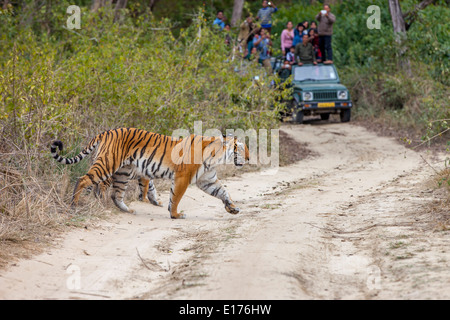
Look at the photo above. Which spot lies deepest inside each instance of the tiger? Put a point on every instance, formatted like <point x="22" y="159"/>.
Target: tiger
<point x="126" y="152"/>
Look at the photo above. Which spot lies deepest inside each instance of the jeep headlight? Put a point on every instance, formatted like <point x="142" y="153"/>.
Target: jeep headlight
<point x="307" y="96"/>
<point x="342" y="95"/>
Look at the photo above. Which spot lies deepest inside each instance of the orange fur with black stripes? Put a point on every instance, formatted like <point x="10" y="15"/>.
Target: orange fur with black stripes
<point x="126" y="153"/>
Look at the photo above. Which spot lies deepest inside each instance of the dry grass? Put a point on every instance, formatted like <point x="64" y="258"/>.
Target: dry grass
<point x="440" y="209"/>
<point x="435" y="214"/>
<point x="443" y="180"/>
<point x="34" y="210"/>
<point x="29" y="212"/>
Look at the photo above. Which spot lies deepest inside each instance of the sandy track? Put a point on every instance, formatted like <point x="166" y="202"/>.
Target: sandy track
<point x="344" y="223"/>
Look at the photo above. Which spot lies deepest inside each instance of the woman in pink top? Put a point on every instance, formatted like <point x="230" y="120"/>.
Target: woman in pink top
<point x="287" y="36"/>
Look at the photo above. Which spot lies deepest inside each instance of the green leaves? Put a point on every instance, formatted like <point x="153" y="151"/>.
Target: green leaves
<point x="136" y="73"/>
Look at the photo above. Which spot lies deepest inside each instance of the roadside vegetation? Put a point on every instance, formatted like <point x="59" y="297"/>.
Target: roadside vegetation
<point x="114" y="72"/>
<point x="164" y="70"/>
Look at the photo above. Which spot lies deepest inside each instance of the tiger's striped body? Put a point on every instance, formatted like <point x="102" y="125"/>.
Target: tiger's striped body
<point x="119" y="181"/>
<point x="127" y="153"/>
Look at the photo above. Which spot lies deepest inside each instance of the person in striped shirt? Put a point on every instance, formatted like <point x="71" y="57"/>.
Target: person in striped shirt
<point x="265" y="15"/>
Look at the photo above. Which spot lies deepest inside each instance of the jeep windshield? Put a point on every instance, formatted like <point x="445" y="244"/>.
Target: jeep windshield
<point x="315" y="73"/>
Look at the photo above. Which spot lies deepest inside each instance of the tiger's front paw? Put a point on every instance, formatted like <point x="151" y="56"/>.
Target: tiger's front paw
<point x="178" y="216"/>
<point x="231" y="208"/>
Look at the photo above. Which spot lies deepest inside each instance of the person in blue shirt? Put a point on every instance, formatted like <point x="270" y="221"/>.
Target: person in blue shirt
<point x="262" y="43"/>
<point x="298" y="34"/>
<point x="265" y="14"/>
<point x="219" y="20"/>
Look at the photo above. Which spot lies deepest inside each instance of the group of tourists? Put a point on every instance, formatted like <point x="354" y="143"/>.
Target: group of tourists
<point x="308" y="43"/>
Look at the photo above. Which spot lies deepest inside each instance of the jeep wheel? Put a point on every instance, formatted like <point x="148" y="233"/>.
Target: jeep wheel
<point x="297" y="116"/>
<point x="346" y="115"/>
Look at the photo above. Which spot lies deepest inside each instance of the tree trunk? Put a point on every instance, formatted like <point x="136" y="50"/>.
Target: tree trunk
<point x="121" y="4"/>
<point x="237" y="12"/>
<point x="151" y="5"/>
<point x="411" y="16"/>
<point x="399" y="25"/>
<point x="97" y="4"/>
<point x="397" y="16"/>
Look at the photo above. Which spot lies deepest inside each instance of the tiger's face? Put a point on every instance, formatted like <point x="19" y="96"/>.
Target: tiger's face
<point x="238" y="151"/>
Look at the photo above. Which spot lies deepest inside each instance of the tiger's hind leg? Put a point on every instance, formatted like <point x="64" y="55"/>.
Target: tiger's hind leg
<point x="148" y="188"/>
<point x="209" y="183"/>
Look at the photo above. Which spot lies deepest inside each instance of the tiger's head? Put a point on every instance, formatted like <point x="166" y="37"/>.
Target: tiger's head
<point x="236" y="151"/>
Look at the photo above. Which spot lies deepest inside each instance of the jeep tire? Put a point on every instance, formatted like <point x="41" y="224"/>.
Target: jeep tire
<point x="346" y="115"/>
<point x="297" y="116"/>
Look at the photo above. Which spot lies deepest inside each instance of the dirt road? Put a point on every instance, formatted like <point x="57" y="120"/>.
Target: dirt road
<point x="345" y="223"/>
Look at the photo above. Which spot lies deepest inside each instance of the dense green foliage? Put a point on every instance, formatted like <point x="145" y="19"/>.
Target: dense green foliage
<point x="132" y="72"/>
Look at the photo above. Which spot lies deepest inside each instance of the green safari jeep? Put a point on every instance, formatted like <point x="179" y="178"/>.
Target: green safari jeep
<point x="318" y="91"/>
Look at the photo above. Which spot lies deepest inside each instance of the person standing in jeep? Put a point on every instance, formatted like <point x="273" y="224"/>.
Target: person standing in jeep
<point x="326" y="20"/>
<point x="304" y="52"/>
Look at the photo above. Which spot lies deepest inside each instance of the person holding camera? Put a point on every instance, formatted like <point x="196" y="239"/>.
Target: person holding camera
<point x="262" y="43"/>
<point x="326" y="20"/>
<point x="265" y="14"/>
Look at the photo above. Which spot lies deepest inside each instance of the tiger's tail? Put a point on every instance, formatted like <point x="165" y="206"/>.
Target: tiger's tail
<point x="86" y="151"/>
